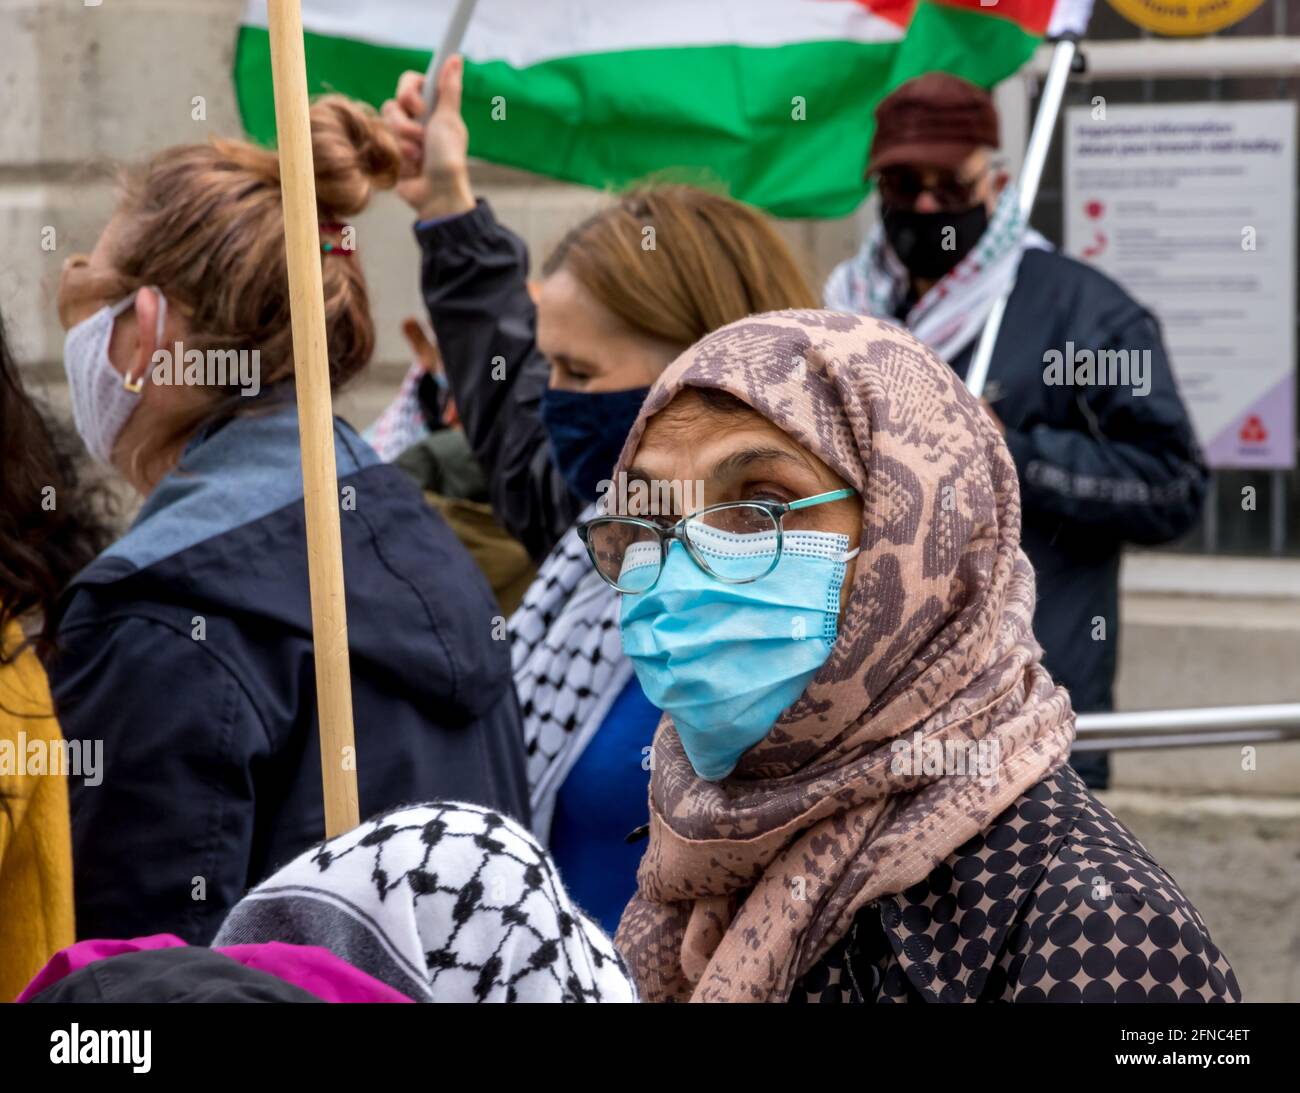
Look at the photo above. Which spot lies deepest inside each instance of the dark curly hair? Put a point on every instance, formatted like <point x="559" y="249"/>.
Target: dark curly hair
<point x="51" y="523"/>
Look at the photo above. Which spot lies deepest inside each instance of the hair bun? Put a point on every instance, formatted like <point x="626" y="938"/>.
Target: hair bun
<point x="354" y="154"/>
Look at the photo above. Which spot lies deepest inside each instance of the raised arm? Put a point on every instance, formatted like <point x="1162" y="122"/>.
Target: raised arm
<point x="474" y="279"/>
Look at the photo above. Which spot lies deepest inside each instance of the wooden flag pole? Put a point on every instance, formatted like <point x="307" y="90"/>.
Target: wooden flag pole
<point x="315" y="417"/>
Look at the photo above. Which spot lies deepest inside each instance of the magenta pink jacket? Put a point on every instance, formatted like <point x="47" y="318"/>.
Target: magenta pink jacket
<point x="317" y="971"/>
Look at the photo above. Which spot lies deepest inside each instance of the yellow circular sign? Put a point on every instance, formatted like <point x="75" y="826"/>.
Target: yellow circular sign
<point x="1184" y="17"/>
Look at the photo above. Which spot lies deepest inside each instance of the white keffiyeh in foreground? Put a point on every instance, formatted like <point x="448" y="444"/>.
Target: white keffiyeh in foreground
<point x="444" y="902"/>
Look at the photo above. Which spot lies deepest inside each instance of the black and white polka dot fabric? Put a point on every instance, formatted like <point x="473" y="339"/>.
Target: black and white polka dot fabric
<point x="1056" y="901"/>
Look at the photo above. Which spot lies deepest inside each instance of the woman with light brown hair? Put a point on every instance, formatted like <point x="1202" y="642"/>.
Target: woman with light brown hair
<point x="547" y="393"/>
<point x="186" y="647"/>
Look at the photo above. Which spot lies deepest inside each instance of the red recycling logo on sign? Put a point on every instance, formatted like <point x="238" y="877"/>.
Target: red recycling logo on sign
<point x="1253" y="431"/>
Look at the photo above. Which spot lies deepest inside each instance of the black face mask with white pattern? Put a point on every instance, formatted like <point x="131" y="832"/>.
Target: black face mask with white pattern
<point x="930" y="244"/>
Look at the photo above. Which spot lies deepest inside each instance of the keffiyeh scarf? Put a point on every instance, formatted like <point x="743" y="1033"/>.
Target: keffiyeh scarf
<point x="569" y="667"/>
<point x="748" y="882"/>
<point x="949" y="316"/>
<point x="443" y="902"/>
<point x="402" y="422"/>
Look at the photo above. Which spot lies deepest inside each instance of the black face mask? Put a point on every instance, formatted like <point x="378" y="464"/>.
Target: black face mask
<point x="918" y="238"/>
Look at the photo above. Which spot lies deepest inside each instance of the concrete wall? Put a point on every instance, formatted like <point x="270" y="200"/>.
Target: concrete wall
<point x="82" y="86"/>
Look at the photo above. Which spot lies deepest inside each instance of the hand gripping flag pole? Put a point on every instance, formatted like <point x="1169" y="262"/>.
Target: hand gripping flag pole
<point x="451" y="39"/>
<point x="315" y="417"/>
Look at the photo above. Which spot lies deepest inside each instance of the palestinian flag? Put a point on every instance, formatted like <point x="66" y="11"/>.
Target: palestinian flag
<point x="769" y="100"/>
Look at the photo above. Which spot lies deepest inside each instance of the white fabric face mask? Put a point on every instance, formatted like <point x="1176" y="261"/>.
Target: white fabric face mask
<point x="102" y="400"/>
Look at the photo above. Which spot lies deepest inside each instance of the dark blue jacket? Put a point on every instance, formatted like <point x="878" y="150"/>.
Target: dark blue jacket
<point x="186" y="647"/>
<point x="474" y="275"/>
<point x="1099" y="466"/>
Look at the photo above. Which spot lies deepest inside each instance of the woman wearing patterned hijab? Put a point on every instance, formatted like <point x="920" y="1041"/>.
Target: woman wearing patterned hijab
<point x="859" y="789"/>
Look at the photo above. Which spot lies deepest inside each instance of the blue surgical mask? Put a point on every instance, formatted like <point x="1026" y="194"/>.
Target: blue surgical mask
<point x="725" y="661"/>
<point x="587" y="431"/>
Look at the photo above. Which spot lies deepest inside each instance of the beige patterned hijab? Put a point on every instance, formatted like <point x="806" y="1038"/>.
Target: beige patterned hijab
<point x="747" y="882"/>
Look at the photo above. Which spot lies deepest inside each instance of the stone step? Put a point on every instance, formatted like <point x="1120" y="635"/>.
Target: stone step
<point x="1209" y="632"/>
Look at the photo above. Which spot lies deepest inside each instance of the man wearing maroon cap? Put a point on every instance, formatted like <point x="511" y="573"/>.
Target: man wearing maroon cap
<point x="1103" y="459"/>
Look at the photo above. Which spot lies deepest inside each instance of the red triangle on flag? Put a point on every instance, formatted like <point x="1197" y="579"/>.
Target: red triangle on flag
<point x="1032" y="15"/>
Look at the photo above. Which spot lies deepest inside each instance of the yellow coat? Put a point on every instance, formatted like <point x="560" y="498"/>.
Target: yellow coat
<point x="35" y="833"/>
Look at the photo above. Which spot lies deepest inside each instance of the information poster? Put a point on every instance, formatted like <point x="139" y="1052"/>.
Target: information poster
<point x="1191" y="207"/>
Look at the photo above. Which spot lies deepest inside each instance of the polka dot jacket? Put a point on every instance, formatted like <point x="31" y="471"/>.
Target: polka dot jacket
<point x="1056" y="901"/>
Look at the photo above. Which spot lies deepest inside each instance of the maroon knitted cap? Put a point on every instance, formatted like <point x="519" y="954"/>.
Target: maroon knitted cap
<point x="935" y="120"/>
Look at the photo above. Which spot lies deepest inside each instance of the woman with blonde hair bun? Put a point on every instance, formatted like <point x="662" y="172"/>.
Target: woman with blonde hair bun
<point x="185" y="648"/>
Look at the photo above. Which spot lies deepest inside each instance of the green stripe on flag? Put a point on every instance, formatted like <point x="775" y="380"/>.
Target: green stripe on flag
<point x="356" y="69"/>
<point x="724" y="119"/>
<point x="976" y="44"/>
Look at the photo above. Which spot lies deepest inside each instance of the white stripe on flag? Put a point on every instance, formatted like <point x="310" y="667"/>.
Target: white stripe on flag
<point x="524" y="32"/>
<point x="1069" y="17"/>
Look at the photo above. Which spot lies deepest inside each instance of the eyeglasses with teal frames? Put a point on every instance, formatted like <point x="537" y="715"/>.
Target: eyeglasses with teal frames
<point x="736" y="542"/>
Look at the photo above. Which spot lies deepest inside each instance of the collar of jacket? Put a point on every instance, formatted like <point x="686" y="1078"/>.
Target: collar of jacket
<point x="944" y="923"/>
<point x="228" y="476"/>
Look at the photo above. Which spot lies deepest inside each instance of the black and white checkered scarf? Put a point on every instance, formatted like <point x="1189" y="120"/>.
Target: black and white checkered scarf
<point x="444" y="902"/>
<point x="569" y="667"/>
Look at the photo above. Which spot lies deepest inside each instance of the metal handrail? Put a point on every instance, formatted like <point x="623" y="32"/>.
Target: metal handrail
<point x="1180" y="58"/>
<point x="1191" y="728"/>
